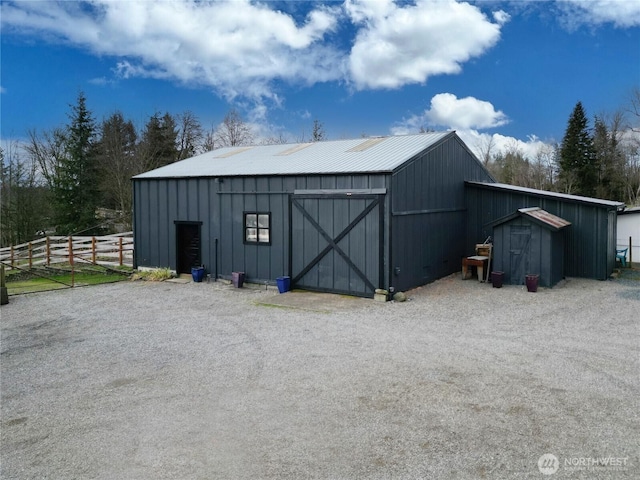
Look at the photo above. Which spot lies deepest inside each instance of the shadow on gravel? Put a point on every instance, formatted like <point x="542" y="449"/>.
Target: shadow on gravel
<point x="629" y="274"/>
<point x="630" y="277"/>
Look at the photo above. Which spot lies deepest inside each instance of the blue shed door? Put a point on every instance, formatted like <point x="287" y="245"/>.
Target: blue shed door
<point x="337" y="242"/>
<point x="520" y="237"/>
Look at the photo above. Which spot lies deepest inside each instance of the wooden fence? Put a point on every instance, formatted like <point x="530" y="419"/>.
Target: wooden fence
<point x="109" y="250"/>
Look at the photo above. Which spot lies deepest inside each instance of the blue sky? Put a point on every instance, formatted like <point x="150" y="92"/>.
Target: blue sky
<point x="511" y="71"/>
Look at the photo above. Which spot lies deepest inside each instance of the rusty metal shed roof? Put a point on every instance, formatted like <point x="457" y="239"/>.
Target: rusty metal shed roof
<point x="362" y="155"/>
<point x="538" y="215"/>
<point x="545" y="217"/>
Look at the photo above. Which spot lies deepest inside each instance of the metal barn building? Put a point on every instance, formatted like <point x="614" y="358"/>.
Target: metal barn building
<point x="345" y="216"/>
<point x="590" y="242"/>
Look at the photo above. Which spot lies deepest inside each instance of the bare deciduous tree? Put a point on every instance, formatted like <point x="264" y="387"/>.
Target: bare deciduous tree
<point x="485" y="147"/>
<point x="48" y="151"/>
<point x="232" y="132"/>
<point x="279" y="139"/>
<point x="189" y="135"/>
<point x="318" y="134"/>
<point x="24" y="204"/>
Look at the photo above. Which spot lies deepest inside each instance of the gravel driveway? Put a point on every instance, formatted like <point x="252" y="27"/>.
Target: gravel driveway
<point x="141" y="380"/>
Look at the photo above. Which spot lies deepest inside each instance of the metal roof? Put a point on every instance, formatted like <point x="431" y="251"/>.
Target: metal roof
<point x="538" y="215"/>
<point x="632" y="210"/>
<point x="545" y="217"/>
<point x="544" y="193"/>
<point x="362" y="155"/>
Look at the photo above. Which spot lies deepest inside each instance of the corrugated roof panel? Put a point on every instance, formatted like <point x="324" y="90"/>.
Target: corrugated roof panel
<point x="545" y="217"/>
<point x="331" y="157"/>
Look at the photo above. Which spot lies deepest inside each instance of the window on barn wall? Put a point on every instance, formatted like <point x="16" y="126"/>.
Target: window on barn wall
<point x="257" y="228"/>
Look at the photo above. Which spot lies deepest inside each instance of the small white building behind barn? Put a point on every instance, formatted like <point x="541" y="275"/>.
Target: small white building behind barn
<point x="629" y="231"/>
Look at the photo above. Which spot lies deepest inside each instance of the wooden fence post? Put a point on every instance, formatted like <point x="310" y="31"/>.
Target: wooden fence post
<point x="120" y="250"/>
<point x="30" y="251"/>
<point x="630" y="250"/>
<point x="70" y="252"/>
<point x="4" y="295"/>
<point x="11" y="256"/>
<point x="93" y="249"/>
<point x="48" y="248"/>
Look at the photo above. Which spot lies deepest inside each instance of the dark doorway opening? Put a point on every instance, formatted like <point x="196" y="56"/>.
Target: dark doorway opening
<point x="188" y="246"/>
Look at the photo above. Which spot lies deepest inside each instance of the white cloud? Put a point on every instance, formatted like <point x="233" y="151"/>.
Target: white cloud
<point x="501" y="17"/>
<point x="236" y="47"/>
<point x="621" y="13"/>
<point x="455" y="113"/>
<point x="241" y="48"/>
<point x="467" y="116"/>
<point x="398" y="45"/>
<point x="2" y="90"/>
<point x="477" y="142"/>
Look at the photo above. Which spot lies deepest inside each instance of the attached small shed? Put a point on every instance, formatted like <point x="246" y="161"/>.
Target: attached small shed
<point x="529" y="241"/>
<point x="345" y="216"/>
<point x="590" y="243"/>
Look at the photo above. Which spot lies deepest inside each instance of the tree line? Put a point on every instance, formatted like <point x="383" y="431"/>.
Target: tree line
<point x="61" y="178"/>
<point x="601" y="161"/>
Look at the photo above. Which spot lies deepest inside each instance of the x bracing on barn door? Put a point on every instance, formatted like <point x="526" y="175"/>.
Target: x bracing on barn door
<point x="333" y="242"/>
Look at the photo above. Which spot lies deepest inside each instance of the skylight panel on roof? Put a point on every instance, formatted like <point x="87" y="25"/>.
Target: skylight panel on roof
<point x="294" y="149"/>
<point x="233" y="152"/>
<point x="367" y="144"/>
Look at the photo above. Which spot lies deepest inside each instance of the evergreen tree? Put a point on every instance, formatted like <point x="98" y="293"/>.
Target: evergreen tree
<point x="158" y="145"/>
<point x="75" y="185"/>
<point x="609" y="158"/>
<point x="118" y="163"/>
<point x="578" y="169"/>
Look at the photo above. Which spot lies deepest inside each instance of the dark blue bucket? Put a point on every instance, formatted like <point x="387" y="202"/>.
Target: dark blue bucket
<point x="197" y="273"/>
<point x="284" y="284"/>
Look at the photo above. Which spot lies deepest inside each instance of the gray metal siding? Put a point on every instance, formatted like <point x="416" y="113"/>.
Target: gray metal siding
<point x="543" y="256"/>
<point x="429" y="213"/>
<point x="557" y="256"/>
<point x="587" y="251"/>
<point x="220" y="207"/>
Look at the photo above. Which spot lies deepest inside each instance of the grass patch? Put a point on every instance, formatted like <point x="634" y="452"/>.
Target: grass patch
<point x="63" y="280"/>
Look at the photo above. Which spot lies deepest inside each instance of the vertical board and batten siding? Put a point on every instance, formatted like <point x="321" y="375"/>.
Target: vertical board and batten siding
<point x="429" y="213"/>
<point x="158" y="203"/>
<point x="355" y="222"/>
<point x="544" y="254"/>
<point x="589" y="242"/>
<point x="219" y="206"/>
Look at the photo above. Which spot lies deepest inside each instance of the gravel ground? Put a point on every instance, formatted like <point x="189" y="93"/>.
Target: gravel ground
<point x="200" y="381"/>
